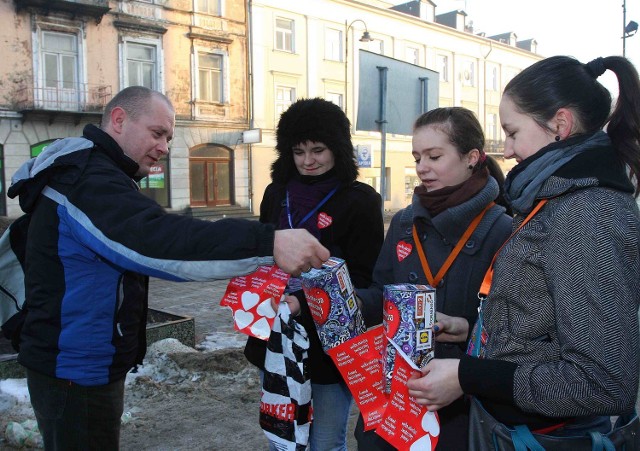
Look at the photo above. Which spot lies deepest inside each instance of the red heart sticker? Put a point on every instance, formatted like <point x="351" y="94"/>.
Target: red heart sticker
<point x="403" y="249"/>
<point x="324" y="220"/>
<point x="319" y="304"/>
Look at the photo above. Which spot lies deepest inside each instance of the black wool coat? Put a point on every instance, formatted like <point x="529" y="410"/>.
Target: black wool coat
<point x="355" y="235"/>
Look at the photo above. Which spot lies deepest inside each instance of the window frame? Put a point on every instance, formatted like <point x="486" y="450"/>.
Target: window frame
<point x="158" y="73"/>
<point x="280" y="34"/>
<point x="218" y="7"/>
<point x="153" y="63"/>
<point x="415" y="56"/>
<point x="221" y="74"/>
<point x="338" y="95"/>
<point x="333" y="48"/>
<point x="71" y="99"/>
<point x="443" y="67"/>
<point x="468" y="67"/>
<point x="280" y="105"/>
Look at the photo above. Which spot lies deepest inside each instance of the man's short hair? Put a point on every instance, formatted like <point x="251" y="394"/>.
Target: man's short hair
<point x="134" y="100"/>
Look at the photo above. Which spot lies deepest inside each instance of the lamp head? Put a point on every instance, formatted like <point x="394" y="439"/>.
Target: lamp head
<point x="366" y="37"/>
<point x="631" y="28"/>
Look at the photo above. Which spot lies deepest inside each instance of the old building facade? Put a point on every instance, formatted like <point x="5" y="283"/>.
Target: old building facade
<point x="230" y="67"/>
<point x="64" y="60"/>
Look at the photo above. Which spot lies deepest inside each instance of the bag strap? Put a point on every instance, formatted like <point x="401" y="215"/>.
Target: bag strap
<point x="523" y="440"/>
<point x="600" y="442"/>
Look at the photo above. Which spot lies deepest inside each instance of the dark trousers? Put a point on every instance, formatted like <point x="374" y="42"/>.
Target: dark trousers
<point x="73" y="417"/>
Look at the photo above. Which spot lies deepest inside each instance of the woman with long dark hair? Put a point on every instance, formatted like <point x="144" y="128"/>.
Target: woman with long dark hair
<point x="556" y="345"/>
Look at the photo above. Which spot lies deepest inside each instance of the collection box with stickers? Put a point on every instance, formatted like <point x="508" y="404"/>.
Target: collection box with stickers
<point x="409" y="315"/>
<point x="332" y="301"/>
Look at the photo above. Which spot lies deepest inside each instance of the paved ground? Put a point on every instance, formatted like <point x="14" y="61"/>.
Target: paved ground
<point x="199" y="300"/>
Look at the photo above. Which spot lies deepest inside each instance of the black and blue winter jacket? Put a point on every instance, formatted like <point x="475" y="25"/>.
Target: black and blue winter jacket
<point x="93" y="240"/>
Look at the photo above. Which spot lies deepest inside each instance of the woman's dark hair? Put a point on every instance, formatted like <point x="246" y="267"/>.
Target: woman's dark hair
<point x="465" y="133"/>
<point x="316" y="120"/>
<point x="557" y="82"/>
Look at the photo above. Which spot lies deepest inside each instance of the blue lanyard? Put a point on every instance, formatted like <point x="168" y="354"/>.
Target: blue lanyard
<point x="312" y="212"/>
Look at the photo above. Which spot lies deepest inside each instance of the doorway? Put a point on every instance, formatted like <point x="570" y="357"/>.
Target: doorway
<point x="211" y="175"/>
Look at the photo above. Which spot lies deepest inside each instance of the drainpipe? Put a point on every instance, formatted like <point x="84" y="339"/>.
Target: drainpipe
<point x="250" y="97"/>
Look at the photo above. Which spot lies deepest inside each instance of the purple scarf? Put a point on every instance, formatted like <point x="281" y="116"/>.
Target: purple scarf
<point x="304" y="194"/>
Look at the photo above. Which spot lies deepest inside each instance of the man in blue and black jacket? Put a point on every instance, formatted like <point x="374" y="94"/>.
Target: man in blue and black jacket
<point x="93" y="241"/>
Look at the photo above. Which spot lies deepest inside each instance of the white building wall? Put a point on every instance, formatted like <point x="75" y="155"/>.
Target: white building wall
<point x="313" y="73"/>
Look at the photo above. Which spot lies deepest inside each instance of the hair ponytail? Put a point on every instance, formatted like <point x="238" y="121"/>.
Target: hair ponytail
<point x="564" y="82"/>
<point x="624" y="123"/>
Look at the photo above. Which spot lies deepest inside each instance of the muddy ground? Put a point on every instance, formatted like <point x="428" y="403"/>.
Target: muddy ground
<point x="186" y="400"/>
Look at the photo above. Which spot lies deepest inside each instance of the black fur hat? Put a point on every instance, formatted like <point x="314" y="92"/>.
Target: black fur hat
<point x="316" y="120"/>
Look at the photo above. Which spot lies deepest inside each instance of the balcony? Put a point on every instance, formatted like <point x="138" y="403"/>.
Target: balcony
<point x="90" y="8"/>
<point x="69" y="99"/>
<point x="494" y="147"/>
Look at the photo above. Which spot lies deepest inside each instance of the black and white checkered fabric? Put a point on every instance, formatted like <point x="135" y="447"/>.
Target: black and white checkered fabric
<point x="285" y="407"/>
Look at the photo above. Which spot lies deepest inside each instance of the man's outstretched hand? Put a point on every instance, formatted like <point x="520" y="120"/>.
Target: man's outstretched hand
<point x="296" y="251"/>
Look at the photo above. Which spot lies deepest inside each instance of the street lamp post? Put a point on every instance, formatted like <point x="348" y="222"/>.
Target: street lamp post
<point x="365" y="38"/>
<point x="628" y="29"/>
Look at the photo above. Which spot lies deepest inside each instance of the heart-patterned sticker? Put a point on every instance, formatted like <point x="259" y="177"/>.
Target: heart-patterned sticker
<point x="430" y="424"/>
<point x="265" y="309"/>
<point x="422" y="444"/>
<point x="403" y="249"/>
<point x="324" y="220"/>
<point x="261" y="329"/>
<point x="249" y="300"/>
<point x="243" y="319"/>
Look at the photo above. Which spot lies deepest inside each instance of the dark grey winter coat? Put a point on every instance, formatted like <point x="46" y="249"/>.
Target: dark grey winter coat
<point x="457" y="294"/>
<point x="561" y="315"/>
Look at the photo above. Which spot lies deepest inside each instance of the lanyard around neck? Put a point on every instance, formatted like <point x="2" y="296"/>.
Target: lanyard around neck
<point x="488" y="277"/>
<point x="434" y="281"/>
<point x="312" y="212"/>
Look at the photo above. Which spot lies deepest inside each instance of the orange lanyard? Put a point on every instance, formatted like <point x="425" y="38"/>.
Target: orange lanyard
<point x="488" y="277"/>
<point x="454" y="253"/>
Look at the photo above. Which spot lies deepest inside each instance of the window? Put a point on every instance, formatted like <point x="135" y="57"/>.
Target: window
<point x="210" y="77"/>
<point x="141" y="65"/>
<point x="376" y="46"/>
<point x="492" y="127"/>
<point x="494" y="81"/>
<point x="285" y="96"/>
<point x="333" y="44"/>
<point x="374" y="181"/>
<point x="208" y="7"/>
<point x="59" y="59"/>
<point x="284" y="34"/>
<point x="156" y="184"/>
<point x="469" y="74"/>
<point x="335" y="98"/>
<point x="412" y="55"/>
<point x="443" y="67"/>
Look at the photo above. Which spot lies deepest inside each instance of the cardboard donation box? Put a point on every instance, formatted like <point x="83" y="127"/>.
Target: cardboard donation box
<point x="332" y="302"/>
<point x="409" y="315"/>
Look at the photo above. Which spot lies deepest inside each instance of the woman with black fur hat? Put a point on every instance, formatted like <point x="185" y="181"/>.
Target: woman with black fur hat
<point x="314" y="187"/>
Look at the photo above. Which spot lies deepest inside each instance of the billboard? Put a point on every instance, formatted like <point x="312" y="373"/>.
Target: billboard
<point x="411" y="91"/>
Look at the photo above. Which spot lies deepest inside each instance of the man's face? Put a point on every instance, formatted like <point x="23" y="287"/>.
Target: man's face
<point x="146" y="139"/>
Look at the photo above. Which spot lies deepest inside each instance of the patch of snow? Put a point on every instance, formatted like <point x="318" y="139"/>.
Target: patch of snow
<point x="222" y="340"/>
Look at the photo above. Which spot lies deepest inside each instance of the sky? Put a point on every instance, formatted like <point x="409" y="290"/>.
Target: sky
<point x="583" y="29"/>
